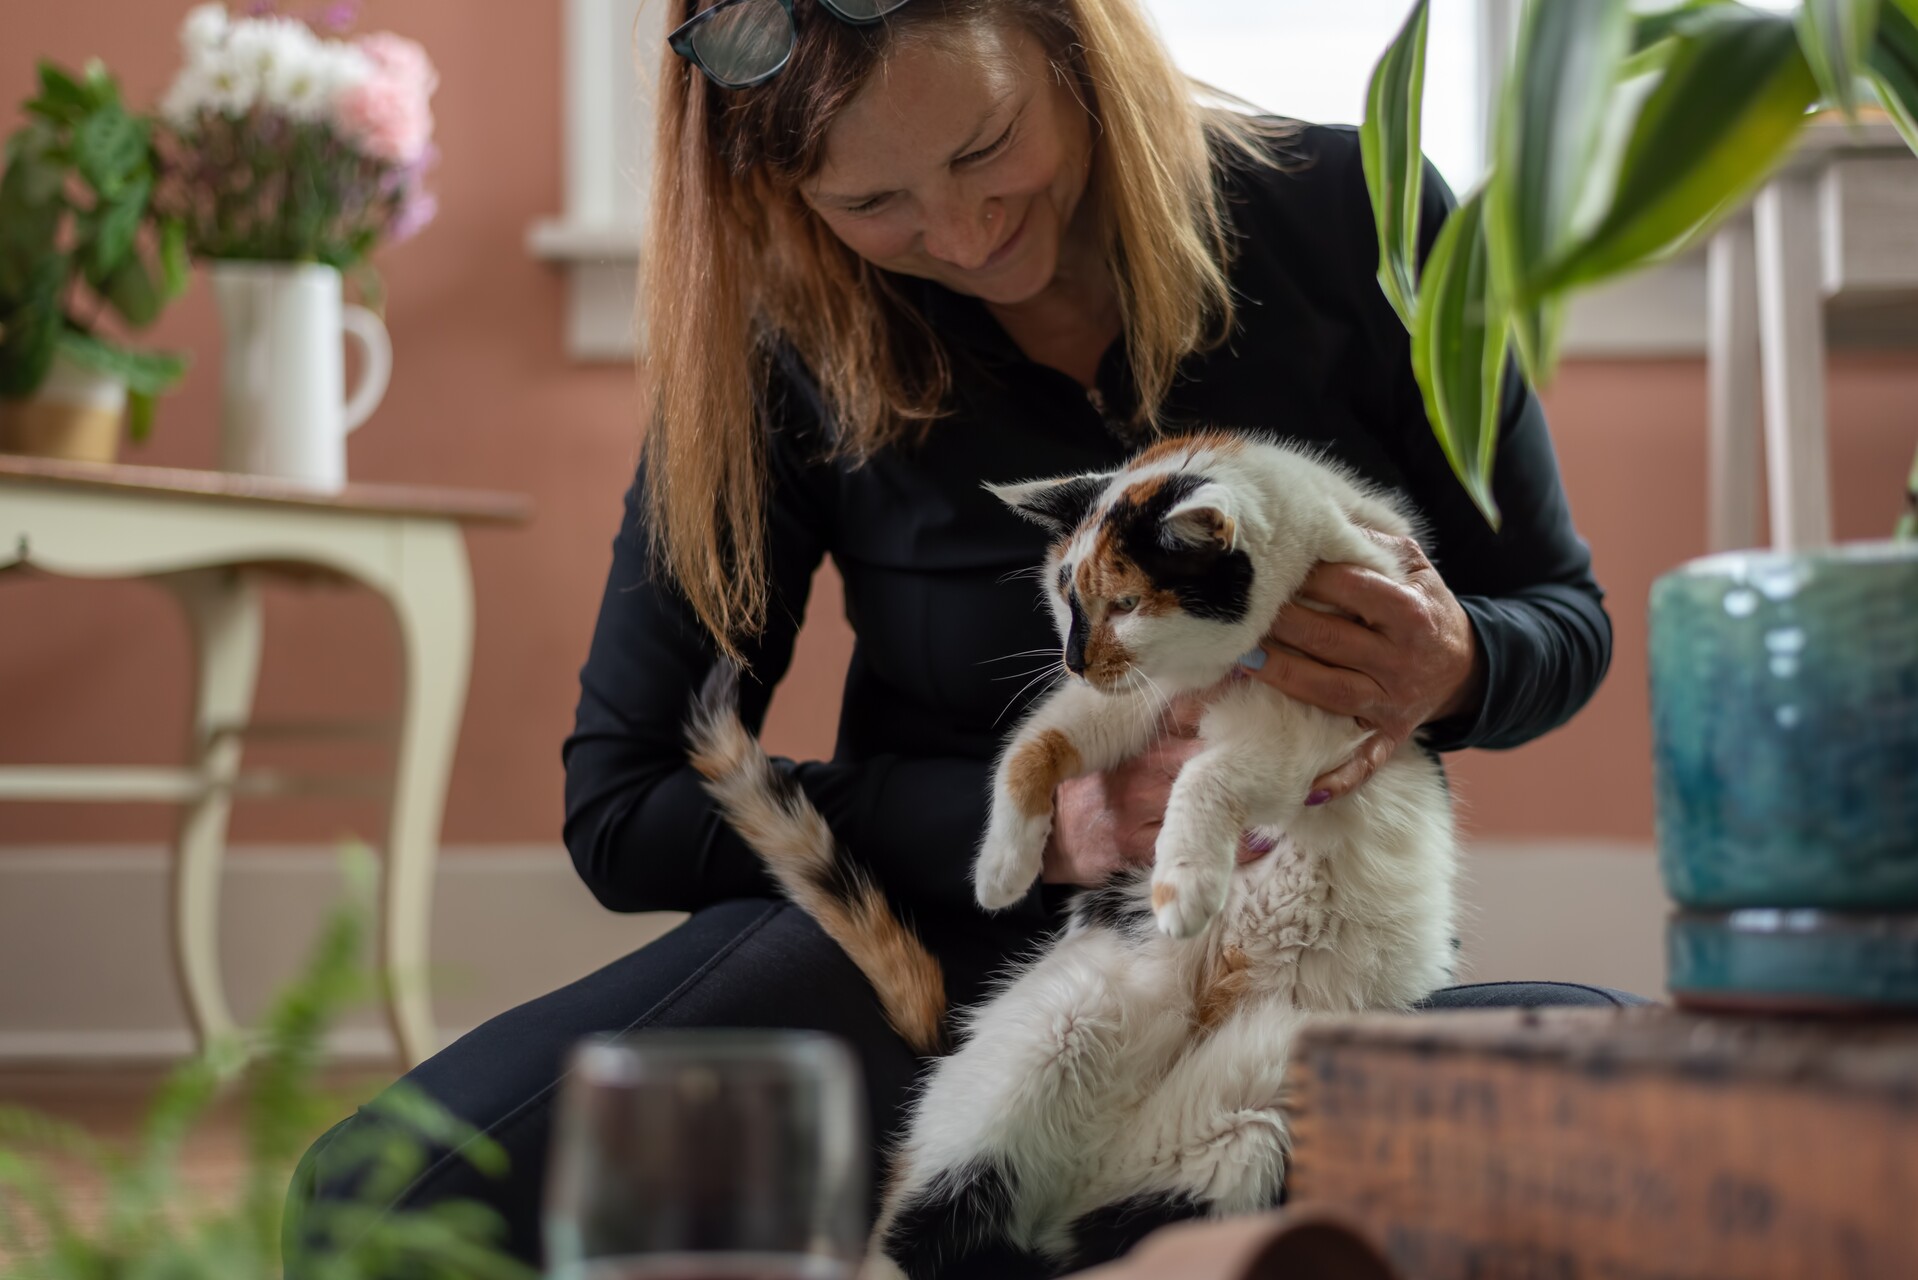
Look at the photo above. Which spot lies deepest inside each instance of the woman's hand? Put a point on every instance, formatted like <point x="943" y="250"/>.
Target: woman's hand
<point x="1392" y="655"/>
<point x="1106" y="822"/>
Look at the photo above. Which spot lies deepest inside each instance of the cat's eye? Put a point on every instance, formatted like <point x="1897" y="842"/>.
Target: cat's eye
<point x="1125" y="604"/>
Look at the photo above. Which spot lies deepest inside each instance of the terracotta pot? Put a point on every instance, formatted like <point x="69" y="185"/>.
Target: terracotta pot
<point x="1296" y="1243"/>
<point x="77" y="414"/>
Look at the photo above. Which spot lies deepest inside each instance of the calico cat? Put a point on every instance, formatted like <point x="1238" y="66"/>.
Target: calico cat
<point x="1133" y="1071"/>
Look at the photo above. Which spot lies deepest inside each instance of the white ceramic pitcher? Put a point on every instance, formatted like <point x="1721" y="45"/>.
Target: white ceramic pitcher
<point x="284" y="408"/>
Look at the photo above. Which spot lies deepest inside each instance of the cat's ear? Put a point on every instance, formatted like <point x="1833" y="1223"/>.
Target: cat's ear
<point x="1059" y="505"/>
<point x="1202" y="521"/>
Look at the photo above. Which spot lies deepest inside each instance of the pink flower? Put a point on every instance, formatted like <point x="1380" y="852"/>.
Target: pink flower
<point x="387" y="114"/>
<point x="415" y="212"/>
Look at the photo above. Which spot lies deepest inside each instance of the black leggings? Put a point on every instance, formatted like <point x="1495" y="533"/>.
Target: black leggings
<point x="749" y="963"/>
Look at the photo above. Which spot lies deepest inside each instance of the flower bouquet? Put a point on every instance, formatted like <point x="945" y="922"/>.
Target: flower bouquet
<point x="288" y="146"/>
<point x="289" y="156"/>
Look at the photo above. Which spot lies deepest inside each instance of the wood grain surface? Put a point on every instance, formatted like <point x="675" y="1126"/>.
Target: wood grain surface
<point x="1638" y="1144"/>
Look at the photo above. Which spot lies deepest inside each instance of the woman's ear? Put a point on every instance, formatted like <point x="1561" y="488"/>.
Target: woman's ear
<point x="1059" y="505"/>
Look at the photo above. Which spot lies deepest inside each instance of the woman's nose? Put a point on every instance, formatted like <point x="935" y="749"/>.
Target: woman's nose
<point x="965" y="234"/>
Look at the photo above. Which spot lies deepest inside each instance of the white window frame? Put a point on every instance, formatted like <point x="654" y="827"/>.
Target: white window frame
<point x="1658" y="313"/>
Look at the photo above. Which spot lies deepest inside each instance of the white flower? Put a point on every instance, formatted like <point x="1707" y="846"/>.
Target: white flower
<point x="270" y="54"/>
<point x="205" y="27"/>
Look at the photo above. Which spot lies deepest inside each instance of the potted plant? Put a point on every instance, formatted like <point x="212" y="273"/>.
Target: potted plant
<point x="290" y="155"/>
<point x="75" y="200"/>
<point x="1784" y="683"/>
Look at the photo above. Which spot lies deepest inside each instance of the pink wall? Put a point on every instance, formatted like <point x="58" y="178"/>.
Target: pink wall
<point x="483" y="396"/>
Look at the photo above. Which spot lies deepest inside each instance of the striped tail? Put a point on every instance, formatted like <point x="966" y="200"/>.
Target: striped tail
<point x="770" y="810"/>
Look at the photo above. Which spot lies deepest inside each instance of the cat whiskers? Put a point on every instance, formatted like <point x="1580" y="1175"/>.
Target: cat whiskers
<point x="1050" y="674"/>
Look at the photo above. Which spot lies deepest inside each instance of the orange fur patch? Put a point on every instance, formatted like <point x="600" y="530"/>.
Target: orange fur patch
<point x="1222" y="985"/>
<point x="1039" y="766"/>
<point x="1225" y="442"/>
<point x="1162" y="894"/>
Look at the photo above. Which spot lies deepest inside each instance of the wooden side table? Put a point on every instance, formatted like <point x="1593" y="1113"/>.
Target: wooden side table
<point x="207" y="536"/>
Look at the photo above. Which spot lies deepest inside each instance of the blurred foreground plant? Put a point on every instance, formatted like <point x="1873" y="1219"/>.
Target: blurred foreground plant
<point x="149" y="1227"/>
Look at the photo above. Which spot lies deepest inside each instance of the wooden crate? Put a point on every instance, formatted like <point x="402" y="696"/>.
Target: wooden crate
<point x="1598" y="1144"/>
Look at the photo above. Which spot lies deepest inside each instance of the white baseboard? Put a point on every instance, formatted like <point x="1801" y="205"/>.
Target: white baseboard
<point x="85" y="973"/>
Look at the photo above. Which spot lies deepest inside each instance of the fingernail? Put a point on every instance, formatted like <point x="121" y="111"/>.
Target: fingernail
<point x="1252" y="660"/>
<point x="1317" y="798"/>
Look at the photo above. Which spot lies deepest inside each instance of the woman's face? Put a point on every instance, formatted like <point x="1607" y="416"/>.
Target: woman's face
<point x="961" y="160"/>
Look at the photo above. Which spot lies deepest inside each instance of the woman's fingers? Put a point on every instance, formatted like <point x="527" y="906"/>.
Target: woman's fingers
<point x="1339" y="690"/>
<point x="1332" y="639"/>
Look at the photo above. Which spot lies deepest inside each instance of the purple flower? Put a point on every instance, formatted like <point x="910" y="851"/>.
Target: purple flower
<point x="418" y="209"/>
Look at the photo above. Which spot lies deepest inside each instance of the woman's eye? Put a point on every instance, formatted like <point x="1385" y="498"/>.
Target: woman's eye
<point x="1125" y="604"/>
<point x="991" y="148"/>
<point x="867" y="206"/>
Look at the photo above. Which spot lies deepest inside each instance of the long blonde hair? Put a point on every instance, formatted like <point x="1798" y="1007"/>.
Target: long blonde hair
<point x="735" y="264"/>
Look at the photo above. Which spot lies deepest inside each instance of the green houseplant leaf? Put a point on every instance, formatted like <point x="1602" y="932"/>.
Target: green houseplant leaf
<point x="1394" y="165"/>
<point x="1547" y="132"/>
<point x="1458" y="349"/>
<point x="1836" y="36"/>
<point x="1726" y="108"/>
<point x="1893" y="66"/>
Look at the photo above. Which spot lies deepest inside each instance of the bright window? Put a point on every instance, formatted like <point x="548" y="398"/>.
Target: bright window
<point x="1312" y="59"/>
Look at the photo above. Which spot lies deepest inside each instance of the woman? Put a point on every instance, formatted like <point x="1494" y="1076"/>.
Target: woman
<point x="977" y="240"/>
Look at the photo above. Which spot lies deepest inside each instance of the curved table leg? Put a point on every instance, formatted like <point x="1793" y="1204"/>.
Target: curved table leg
<point x="223" y="611"/>
<point x="432" y="601"/>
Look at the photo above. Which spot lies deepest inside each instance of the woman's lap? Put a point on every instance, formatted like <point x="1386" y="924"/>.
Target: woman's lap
<point x="748" y="963"/>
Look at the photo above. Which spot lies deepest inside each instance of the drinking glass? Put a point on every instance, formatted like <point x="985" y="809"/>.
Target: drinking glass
<point x="709" y="1155"/>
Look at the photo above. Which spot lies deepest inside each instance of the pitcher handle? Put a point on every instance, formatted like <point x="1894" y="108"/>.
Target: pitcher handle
<point x="377" y="367"/>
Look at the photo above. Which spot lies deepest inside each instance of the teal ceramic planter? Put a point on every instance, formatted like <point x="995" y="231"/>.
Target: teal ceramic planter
<point x="1800" y="960"/>
<point x="1785" y="729"/>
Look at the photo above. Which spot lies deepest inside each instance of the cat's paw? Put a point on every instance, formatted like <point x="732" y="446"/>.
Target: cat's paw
<point x="1009" y="861"/>
<point x="1188" y="893"/>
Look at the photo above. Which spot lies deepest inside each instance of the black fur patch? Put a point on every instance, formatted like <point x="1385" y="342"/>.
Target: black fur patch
<point x="963" y="1211"/>
<point x="1063" y="507"/>
<point x="1114" y="905"/>
<point x="1208" y="582"/>
<point x="1105" y="1234"/>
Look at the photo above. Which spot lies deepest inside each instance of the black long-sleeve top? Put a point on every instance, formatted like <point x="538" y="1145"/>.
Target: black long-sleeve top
<point x="1318" y="355"/>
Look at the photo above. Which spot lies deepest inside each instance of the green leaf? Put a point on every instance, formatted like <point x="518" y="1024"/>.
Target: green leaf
<point x="131" y="291"/>
<point x="1724" y="112"/>
<point x="30" y="332"/>
<point x="1894" y="66"/>
<point x="1908" y="522"/>
<point x="113" y="231"/>
<point x="1458" y="350"/>
<point x="1835" y="36"/>
<point x="61" y="96"/>
<point x="175" y="266"/>
<point x="1394" y="164"/>
<point x="1548" y="128"/>
<point x="1653" y="36"/>
<point x="147" y="372"/>
<point x="109" y="148"/>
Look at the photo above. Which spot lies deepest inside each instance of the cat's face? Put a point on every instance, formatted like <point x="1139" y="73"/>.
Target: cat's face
<point x="1150" y="576"/>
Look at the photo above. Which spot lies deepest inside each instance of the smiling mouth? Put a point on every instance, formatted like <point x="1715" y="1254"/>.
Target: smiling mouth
<point x="1004" y="251"/>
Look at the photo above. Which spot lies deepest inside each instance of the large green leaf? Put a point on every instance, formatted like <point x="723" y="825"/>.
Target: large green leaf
<point x="1725" y="110"/>
<point x="1549" y="121"/>
<point x="1654" y="35"/>
<point x="110" y="149"/>
<point x="1835" y="36"/>
<point x="1394" y="164"/>
<point x="30" y="330"/>
<point x="1458" y="349"/>
<point x="1893" y="66"/>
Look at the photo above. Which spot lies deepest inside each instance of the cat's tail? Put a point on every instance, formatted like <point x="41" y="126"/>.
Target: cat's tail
<point x="768" y="808"/>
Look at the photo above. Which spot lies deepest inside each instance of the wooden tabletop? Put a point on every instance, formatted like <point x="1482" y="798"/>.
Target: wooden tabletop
<point x="469" y="506"/>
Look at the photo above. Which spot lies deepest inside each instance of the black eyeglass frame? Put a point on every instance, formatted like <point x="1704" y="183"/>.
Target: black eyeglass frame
<point x="681" y="38"/>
